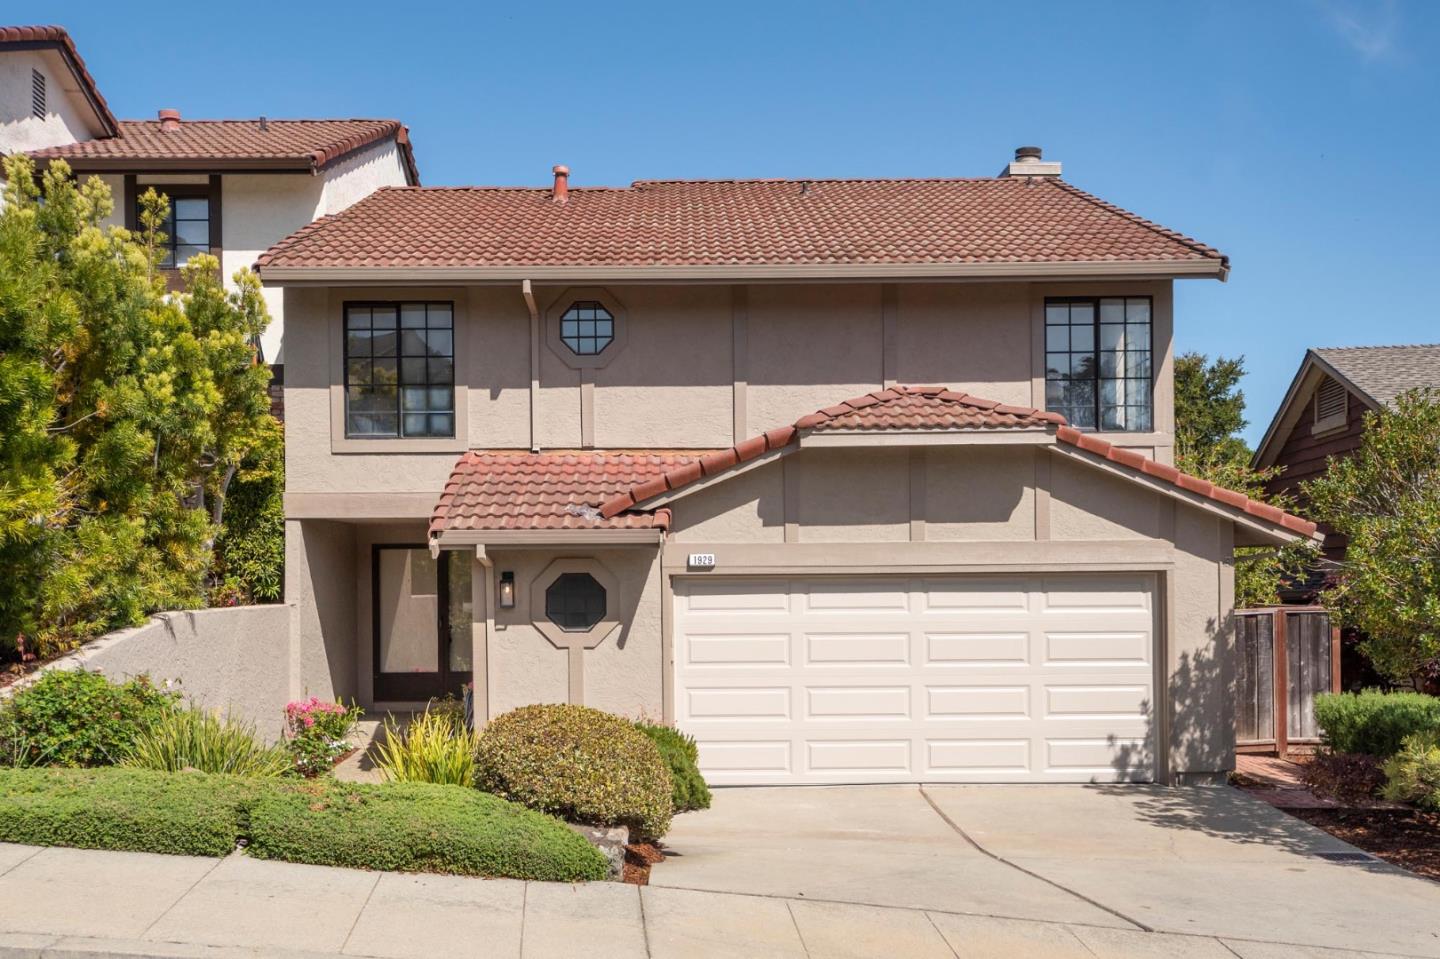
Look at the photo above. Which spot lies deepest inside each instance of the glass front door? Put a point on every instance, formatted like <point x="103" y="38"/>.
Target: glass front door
<point x="422" y="612"/>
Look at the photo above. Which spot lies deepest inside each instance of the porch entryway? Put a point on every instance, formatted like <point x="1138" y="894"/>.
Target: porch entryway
<point x="422" y="606"/>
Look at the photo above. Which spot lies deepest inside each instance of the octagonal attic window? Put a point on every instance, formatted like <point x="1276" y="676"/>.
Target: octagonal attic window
<point x="575" y="602"/>
<point x="587" y="327"/>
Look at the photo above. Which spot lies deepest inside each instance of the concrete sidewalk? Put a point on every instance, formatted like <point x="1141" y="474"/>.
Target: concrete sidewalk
<point x="74" y="903"/>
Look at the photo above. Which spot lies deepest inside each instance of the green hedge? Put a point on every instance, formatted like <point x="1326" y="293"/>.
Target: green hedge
<point x="413" y="827"/>
<point x="688" y="789"/>
<point x="418" y="827"/>
<point x="188" y="814"/>
<point x="1373" y="722"/>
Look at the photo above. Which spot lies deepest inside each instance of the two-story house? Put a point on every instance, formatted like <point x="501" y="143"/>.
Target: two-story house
<point x="854" y="480"/>
<point x="235" y="186"/>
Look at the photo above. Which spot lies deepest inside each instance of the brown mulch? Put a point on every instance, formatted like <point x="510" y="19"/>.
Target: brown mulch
<point x="1408" y="838"/>
<point x="639" y="857"/>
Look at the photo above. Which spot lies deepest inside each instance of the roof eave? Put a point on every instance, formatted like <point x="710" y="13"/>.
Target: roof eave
<point x="469" y="538"/>
<point x="94" y="164"/>
<point x="278" y="274"/>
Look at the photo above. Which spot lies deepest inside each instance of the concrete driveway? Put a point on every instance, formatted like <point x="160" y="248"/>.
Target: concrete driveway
<point x="1208" y="862"/>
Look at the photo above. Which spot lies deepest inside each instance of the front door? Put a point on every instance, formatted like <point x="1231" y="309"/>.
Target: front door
<point x="421" y="610"/>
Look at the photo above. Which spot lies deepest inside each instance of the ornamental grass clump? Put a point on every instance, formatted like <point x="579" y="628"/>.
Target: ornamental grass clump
<point x="196" y="740"/>
<point x="317" y="733"/>
<point x="1414" y="772"/>
<point x="437" y="747"/>
<point x="577" y="763"/>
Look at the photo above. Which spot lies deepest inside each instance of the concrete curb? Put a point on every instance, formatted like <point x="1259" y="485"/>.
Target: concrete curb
<point x="20" y="945"/>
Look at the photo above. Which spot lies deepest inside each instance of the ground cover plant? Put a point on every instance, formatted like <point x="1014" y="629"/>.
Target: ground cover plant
<point x="577" y="763"/>
<point x="411" y="827"/>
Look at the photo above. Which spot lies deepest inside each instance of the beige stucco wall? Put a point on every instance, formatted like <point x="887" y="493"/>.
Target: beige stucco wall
<point x="320" y="573"/>
<point x="258" y="210"/>
<point x="67" y="119"/>
<point x="695" y="360"/>
<point x="235" y="660"/>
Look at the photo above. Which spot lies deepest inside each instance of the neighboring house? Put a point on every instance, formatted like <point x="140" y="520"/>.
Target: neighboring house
<point x="235" y="186"/>
<point x="782" y="461"/>
<point x="1322" y="415"/>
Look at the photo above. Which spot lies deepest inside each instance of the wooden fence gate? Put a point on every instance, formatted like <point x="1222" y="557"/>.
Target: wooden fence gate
<point x="1284" y="656"/>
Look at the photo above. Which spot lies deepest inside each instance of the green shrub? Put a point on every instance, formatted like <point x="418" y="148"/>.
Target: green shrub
<point x="78" y="718"/>
<point x="1414" y="772"/>
<point x="435" y="748"/>
<point x="138" y="810"/>
<point x="1373" y="722"/>
<point x="577" y="763"/>
<point x="688" y="789"/>
<point x="197" y="740"/>
<point x="249" y="553"/>
<point x="417" y="827"/>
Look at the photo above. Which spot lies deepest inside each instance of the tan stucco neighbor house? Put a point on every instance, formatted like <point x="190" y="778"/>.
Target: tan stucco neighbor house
<point x="854" y="480"/>
<point x="235" y="186"/>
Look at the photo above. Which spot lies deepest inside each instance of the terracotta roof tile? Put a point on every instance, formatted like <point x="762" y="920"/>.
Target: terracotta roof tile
<point x="1193" y="484"/>
<point x="897" y="408"/>
<point x="934" y="408"/>
<point x="60" y="38"/>
<point x="560" y="489"/>
<point x="307" y="144"/>
<point x="818" y="223"/>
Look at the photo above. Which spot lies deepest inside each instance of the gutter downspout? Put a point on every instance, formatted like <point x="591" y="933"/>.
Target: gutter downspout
<point x="480" y="644"/>
<point x="529" y="293"/>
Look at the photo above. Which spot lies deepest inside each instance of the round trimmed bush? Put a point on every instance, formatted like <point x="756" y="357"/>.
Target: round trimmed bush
<point x="577" y="763"/>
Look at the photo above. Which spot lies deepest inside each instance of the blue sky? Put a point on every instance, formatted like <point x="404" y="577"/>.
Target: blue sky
<point x="1296" y="135"/>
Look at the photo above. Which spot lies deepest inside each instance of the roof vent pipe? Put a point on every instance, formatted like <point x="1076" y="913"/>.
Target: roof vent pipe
<point x="264" y="125"/>
<point x="1029" y="161"/>
<point x="169" y="120"/>
<point x="561" y="192"/>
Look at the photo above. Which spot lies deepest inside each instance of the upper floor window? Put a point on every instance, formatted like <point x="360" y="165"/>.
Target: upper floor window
<point x="1098" y="362"/>
<point x="587" y="327"/>
<point x="399" y="370"/>
<point x="186" y="230"/>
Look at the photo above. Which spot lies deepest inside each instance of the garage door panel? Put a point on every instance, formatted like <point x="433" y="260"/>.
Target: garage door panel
<point x="857" y="649"/>
<point x="868" y="703"/>
<point x="721" y="597"/>
<point x="863" y="596"/>
<point x="978" y="649"/>
<point x="977" y="702"/>
<point x="1094" y="647"/>
<point x="744" y="704"/>
<point x="708" y="650"/>
<point x="1015" y="687"/>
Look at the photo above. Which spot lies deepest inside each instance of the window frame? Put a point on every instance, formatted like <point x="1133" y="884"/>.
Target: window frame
<point x="1094" y="301"/>
<point x="561" y="304"/>
<point x="576" y="575"/>
<point x="456" y="421"/>
<point x="210" y="191"/>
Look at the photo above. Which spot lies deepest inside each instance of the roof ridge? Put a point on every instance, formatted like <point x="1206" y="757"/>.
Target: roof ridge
<point x="269" y="119"/>
<point x="1203" y="248"/>
<point x="665" y="181"/>
<point x="1379" y="346"/>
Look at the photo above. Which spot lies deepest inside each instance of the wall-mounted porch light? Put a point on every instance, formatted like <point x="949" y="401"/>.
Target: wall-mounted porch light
<point x="506" y="590"/>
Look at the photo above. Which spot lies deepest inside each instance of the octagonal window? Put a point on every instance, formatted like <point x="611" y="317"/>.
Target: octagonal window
<point x="587" y="328"/>
<point x="575" y="602"/>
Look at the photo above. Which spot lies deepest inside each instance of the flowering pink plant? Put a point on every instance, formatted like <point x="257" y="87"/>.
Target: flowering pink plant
<point x="318" y="732"/>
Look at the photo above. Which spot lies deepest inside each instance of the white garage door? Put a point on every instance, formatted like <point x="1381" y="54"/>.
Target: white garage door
<point x="937" y="679"/>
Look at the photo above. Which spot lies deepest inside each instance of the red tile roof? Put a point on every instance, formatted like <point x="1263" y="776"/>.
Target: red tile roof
<point x="732" y="223"/>
<point x="900" y="407"/>
<point x="309" y="145"/>
<point x="934" y="407"/>
<point x="58" y="37"/>
<point x="1193" y="484"/>
<point x="561" y="489"/>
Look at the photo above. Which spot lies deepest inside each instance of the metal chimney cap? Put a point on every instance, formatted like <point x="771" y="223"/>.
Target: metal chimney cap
<point x="1024" y="154"/>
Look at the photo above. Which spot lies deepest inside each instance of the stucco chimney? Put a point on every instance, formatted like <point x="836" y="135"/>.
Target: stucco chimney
<point x="169" y="120"/>
<point x="561" y="192"/>
<point x="1030" y="162"/>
